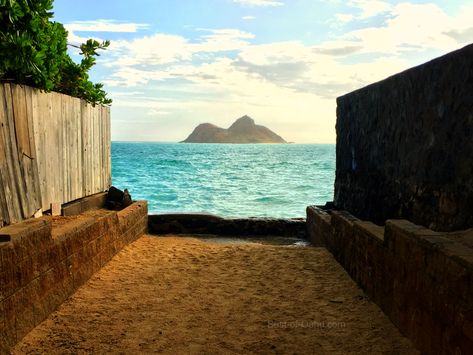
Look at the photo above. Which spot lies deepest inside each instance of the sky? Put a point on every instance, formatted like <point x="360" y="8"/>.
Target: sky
<point x="174" y="64"/>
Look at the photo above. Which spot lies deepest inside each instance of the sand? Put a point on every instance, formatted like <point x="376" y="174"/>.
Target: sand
<point x="177" y="295"/>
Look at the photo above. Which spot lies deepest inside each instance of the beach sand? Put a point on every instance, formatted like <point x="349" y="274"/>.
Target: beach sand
<point x="176" y="295"/>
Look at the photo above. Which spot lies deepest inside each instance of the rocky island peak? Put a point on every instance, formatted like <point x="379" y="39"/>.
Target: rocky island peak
<point x="243" y="130"/>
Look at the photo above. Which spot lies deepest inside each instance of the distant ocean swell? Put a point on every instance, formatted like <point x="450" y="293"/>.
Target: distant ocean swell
<point x="231" y="180"/>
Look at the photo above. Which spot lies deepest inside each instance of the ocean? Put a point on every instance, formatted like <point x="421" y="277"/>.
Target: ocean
<point x="229" y="180"/>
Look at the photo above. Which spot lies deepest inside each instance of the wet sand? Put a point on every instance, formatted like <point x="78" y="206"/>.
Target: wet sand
<point x="176" y="295"/>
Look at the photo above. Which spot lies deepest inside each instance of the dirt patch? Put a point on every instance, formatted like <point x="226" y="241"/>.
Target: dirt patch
<point x="182" y="295"/>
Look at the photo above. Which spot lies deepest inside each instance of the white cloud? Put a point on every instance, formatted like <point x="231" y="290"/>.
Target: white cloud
<point x="409" y="28"/>
<point x="104" y="26"/>
<point x="248" y="18"/>
<point x="127" y="93"/>
<point x="128" y="76"/>
<point x="162" y="49"/>
<point x="149" y="50"/>
<point x="367" y="9"/>
<point x="220" y="40"/>
<point x="155" y="112"/>
<point x="263" y="3"/>
<point x="344" y="17"/>
<point x="76" y="40"/>
<point x="370" y="8"/>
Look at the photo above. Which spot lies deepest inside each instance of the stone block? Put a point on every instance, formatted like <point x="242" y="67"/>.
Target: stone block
<point x="318" y="226"/>
<point x="27" y="236"/>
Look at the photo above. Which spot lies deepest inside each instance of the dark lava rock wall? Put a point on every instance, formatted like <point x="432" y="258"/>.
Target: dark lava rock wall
<point x="188" y="223"/>
<point x="405" y="147"/>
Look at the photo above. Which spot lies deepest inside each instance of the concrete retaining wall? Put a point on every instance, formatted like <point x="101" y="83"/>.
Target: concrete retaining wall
<point x="43" y="261"/>
<point x="423" y="280"/>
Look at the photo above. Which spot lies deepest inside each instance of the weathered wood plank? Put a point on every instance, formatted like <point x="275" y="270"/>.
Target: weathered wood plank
<point x="14" y="168"/>
<point x="30" y="107"/>
<point x="59" y="196"/>
<point x="7" y="206"/>
<point x="65" y="148"/>
<point x="78" y="152"/>
<point x="50" y="143"/>
<point x="109" y="147"/>
<point x="103" y="128"/>
<point x="97" y="140"/>
<point x="92" y="152"/>
<point x="85" y="148"/>
<point x="27" y="164"/>
<point x="20" y="118"/>
<point x="41" y="118"/>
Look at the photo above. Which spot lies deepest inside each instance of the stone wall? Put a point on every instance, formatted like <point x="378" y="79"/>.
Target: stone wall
<point x="405" y="147"/>
<point x="183" y="223"/>
<point x="421" y="279"/>
<point x="43" y="261"/>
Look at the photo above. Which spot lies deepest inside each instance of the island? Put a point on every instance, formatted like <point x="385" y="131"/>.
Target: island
<point x="243" y="130"/>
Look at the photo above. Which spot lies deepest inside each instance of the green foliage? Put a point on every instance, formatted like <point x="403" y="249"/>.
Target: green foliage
<point x="75" y="80"/>
<point x="33" y="51"/>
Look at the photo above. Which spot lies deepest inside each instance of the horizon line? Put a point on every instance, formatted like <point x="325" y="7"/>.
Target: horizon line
<point x="174" y="142"/>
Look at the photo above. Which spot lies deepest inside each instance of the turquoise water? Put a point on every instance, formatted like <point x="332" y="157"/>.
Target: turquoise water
<point x="230" y="180"/>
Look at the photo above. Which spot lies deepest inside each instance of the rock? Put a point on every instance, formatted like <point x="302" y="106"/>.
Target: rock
<point x="126" y="199"/>
<point x="243" y="130"/>
<point x="117" y="199"/>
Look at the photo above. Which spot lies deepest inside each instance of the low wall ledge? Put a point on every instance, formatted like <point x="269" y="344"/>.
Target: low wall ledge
<point x="197" y="223"/>
<point x="421" y="279"/>
<point x="19" y="230"/>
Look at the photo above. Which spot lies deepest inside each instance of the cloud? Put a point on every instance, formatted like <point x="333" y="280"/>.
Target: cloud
<point x="221" y="40"/>
<point x="370" y="8"/>
<point x="248" y="18"/>
<point x="404" y="31"/>
<point x="339" y="49"/>
<point x="155" y="112"/>
<point x="160" y="49"/>
<point x="126" y="93"/>
<point x="282" y="74"/>
<point x="344" y="17"/>
<point x="104" y="26"/>
<point x="409" y="28"/>
<point x="262" y="3"/>
<point x="141" y="60"/>
<point x="366" y="9"/>
<point x="461" y="35"/>
<point x="133" y="77"/>
<point x="76" y="40"/>
<point x="328" y="69"/>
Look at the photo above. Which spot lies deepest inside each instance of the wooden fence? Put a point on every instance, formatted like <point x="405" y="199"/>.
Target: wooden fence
<point x="53" y="149"/>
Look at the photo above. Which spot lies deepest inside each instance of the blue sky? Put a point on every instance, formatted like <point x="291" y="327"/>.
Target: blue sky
<point x="175" y="64"/>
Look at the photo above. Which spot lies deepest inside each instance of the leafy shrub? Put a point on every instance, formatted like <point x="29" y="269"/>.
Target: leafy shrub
<point x="33" y="51"/>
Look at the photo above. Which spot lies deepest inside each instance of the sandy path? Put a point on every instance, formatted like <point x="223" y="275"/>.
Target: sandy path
<point x="181" y="295"/>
